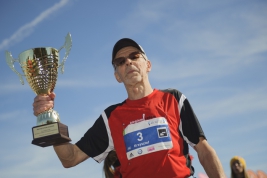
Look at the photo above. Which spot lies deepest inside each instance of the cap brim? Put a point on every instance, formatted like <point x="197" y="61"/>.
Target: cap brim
<point x="125" y="42"/>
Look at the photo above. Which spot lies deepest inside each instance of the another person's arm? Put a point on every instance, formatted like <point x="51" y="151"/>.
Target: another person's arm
<point x="209" y="159"/>
<point x="69" y="154"/>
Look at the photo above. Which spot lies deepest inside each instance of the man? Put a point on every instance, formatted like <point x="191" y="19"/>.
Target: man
<point x="150" y="130"/>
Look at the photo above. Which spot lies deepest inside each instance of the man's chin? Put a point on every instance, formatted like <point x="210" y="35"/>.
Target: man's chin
<point x="134" y="80"/>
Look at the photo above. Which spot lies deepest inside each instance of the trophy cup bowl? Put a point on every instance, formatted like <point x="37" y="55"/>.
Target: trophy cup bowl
<point x="40" y="68"/>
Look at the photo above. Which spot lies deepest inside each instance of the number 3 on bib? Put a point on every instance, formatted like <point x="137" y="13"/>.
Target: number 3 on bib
<point x="140" y="136"/>
<point x="146" y="137"/>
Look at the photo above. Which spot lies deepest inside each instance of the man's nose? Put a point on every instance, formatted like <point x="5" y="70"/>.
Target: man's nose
<point x="128" y="61"/>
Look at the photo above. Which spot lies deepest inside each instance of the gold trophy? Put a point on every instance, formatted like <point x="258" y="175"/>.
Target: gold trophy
<point x="40" y="68"/>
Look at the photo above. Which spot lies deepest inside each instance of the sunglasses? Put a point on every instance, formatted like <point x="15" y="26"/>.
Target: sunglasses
<point x="121" y="60"/>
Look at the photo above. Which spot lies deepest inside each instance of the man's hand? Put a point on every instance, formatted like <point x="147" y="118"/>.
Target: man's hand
<point x="43" y="103"/>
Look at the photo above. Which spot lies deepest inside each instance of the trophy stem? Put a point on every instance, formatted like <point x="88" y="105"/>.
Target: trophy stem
<point x="48" y="117"/>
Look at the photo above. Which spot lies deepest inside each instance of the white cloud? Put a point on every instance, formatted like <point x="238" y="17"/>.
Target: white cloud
<point x="246" y="101"/>
<point x="28" y="28"/>
<point x="12" y="115"/>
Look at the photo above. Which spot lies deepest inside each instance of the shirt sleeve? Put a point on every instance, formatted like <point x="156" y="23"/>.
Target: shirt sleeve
<point x="95" y="141"/>
<point x="189" y="124"/>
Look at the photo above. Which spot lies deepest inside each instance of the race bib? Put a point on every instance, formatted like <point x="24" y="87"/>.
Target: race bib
<point x="146" y="137"/>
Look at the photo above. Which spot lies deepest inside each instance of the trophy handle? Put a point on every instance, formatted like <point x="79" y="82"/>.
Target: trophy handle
<point x="10" y="62"/>
<point x="67" y="45"/>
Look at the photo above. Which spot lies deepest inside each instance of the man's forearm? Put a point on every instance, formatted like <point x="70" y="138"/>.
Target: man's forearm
<point x="66" y="154"/>
<point x="70" y="155"/>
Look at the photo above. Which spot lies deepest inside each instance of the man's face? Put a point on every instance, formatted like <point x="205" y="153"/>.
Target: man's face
<point x="132" y="71"/>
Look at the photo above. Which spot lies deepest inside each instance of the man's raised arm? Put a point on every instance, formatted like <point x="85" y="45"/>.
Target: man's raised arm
<point x="69" y="154"/>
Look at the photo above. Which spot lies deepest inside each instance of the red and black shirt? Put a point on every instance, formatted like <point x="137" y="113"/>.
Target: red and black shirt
<point x="150" y="135"/>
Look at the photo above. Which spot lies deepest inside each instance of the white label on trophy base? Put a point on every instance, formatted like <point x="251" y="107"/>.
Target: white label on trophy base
<point x="45" y="130"/>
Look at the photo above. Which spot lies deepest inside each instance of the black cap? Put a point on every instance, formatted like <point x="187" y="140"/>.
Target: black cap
<point x="124" y="42"/>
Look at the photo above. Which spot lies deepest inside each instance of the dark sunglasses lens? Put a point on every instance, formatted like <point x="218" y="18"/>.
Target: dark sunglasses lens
<point x="134" y="55"/>
<point x="119" y="61"/>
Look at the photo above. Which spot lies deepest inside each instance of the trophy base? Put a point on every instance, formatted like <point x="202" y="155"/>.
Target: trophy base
<point x="50" y="134"/>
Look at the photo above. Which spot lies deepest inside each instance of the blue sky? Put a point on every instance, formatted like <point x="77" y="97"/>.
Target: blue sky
<point x="212" y="51"/>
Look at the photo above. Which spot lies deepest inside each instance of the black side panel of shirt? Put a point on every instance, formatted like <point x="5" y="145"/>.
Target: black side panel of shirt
<point x="190" y="125"/>
<point x="95" y="140"/>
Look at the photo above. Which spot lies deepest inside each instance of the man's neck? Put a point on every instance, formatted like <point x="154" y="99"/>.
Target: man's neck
<point x="139" y="91"/>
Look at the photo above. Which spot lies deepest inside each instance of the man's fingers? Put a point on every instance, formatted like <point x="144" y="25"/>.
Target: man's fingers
<point x="41" y="109"/>
<point x="43" y="103"/>
<point x="49" y="97"/>
<point x="52" y="95"/>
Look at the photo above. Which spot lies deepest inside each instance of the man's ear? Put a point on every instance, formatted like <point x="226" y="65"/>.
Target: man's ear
<point x="117" y="77"/>
<point x="149" y="66"/>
